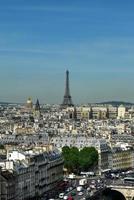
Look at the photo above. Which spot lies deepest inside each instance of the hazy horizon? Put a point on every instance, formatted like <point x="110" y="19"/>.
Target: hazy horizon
<point x="39" y="40"/>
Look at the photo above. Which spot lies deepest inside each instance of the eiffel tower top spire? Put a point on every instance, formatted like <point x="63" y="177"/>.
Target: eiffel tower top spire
<point x="67" y="100"/>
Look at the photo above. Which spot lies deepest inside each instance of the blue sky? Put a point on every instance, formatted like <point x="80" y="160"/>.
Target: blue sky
<point x="39" y="40"/>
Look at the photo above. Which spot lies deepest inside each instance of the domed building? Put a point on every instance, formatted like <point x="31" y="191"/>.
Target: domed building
<point x="29" y="103"/>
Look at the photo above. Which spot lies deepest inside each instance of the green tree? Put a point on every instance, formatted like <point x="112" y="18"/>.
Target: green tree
<point x="2" y="146"/>
<point x="65" y="150"/>
<point x="88" y="156"/>
<point x="76" y="161"/>
<point x="66" y="155"/>
<point x="74" y="157"/>
<point x="70" y="158"/>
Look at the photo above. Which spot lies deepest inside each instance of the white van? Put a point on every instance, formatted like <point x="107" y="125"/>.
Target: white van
<point x="82" y="182"/>
<point x="71" y="176"/>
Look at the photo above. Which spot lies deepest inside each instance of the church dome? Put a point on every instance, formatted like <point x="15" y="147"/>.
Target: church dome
<point x="29" y="103"/>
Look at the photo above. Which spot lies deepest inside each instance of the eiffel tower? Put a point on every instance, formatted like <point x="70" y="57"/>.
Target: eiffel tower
<point x="67" y="100"/>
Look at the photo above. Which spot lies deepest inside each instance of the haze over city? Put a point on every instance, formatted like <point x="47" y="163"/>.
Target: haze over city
<point x="40" y="40"/>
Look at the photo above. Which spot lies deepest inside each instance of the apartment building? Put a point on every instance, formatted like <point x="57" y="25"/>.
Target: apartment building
<point x="0" y="182"/>
<point x="37" y="173"/>
<point x="121" y="158"/>
<point x="7" y="184"/>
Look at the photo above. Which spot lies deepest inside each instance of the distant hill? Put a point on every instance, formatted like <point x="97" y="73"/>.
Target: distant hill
<point x="117" y="103"/>
<point x="3" y="103"/>
<point x="7" y="103"/>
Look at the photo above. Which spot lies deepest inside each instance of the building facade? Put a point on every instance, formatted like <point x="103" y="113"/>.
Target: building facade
<point x="37" y="174"/>
<point x="121" y="158"/>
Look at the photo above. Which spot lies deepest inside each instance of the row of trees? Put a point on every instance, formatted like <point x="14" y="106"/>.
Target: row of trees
<point x="76" y="160"/>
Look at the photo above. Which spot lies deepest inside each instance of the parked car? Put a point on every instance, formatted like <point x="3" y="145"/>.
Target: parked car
<point x="73" y="193"/>
<point x="65" y="197"/>
<point x="80" y="193"/>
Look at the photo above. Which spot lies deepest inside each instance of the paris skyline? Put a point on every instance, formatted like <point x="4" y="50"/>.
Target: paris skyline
<point x="40" y="40"/>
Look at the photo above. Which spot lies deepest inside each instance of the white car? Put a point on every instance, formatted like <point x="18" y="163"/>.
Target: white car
<point x="88" y="189"/>
<point x="92" y="186"/>
<point x="80" y="193"/>
<point x="65" y="197"/>
<point x="79" y="188"/>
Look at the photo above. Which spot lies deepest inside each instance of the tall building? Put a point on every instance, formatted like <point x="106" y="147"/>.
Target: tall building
<point x="67" y="100"/>
<point x="121" y="111"/>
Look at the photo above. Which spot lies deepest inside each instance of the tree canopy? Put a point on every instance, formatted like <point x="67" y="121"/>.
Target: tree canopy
<point x="76" y="161"/>
<point x="2" y="146"/>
